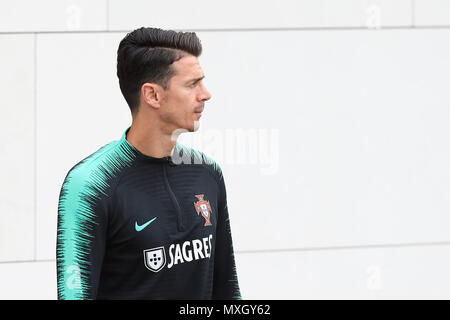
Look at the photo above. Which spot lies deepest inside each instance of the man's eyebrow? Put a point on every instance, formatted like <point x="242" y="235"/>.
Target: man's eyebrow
<point x="195" y="80"/>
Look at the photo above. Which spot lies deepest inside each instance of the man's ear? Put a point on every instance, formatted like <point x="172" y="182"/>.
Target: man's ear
<point x="151" y="94"/>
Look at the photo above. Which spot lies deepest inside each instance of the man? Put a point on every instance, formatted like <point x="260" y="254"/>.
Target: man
<point x="146" y="217"/>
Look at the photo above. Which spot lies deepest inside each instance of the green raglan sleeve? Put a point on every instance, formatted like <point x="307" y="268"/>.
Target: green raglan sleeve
<point x="81" y="234"/>
<point x="226" y="285"/>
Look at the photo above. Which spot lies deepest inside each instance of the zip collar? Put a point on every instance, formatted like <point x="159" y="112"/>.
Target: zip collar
<point x="165" y="161"/>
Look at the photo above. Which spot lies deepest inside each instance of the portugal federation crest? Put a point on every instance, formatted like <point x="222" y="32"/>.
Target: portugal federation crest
<point x="203" y="207"/>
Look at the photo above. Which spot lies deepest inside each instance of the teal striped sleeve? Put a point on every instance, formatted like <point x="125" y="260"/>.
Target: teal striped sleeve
<point x="82" y="221"/>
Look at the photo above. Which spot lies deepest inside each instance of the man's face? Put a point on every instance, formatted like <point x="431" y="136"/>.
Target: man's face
<point x="184" y="101"/>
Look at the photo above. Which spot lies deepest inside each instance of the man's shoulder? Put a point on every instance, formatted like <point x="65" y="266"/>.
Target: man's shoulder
<point x="84" y="166"/>
<point x="97" y="169"/>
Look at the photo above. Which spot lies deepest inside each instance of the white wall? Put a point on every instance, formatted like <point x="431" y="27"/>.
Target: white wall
<point x="339" y="185"/>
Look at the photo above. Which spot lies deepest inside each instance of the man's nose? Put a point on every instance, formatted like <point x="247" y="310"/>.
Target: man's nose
<point x="205" y="95"/>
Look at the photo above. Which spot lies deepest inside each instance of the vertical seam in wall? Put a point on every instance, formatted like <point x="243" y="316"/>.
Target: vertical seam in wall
<point x="107" y="15"/>
<point x="35" y="145"/>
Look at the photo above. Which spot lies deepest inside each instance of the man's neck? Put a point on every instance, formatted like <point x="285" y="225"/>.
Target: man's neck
<point x="150" y="140"/>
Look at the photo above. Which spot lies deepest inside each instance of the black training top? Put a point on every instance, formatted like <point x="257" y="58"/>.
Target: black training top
<point x="131" y="226"/>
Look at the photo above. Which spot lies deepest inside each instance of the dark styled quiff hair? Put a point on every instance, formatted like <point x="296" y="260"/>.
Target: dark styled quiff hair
<point x="146" y="55"/>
